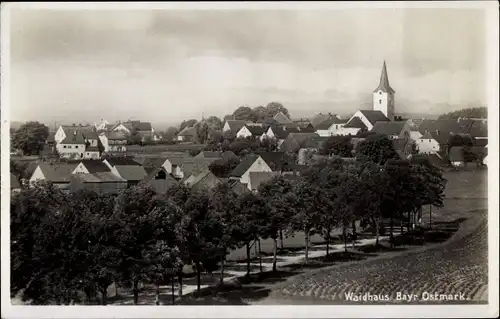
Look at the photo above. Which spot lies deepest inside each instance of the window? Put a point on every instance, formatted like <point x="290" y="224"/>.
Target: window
<point x="380" y="92"/>
<point x="64" y="146"/>
<point x="379" y="101"/>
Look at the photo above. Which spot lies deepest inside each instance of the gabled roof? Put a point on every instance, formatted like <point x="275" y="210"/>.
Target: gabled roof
<point x="116" y="136"/>
<point x="255" y="130"/>
<point x="131" y="172"/>
<point x="374" y="116"/>
<point x="426" y="136"/>
<point x="74" y="139"/>
<point x="320" y="118"/>
<point x="388" y="128"/>
<point x="276" y="160"/>
<point x="208" y="154"/>
<point x="307" y="129"/>
<point x="113" y="161"/>
<point x="200" y="177"/>
<point x="314" y="142"/>
<point x="93" y="166"/>
<point x="141" y="126"/>
<point x="92" y="149"/>
<point x="188" y="131"/>
<point x="90" y="135"/>
<point x="456" y="154"/>
<point x="153" y="171"/>
<point x="69" y="129"/>
<point x="155" y="162"/>
<point x="329" y="122"/>
<point x="245" y="164"/>
<point x="99" y="177"/>
<point x="279" y="132"/>
<point x="384" y="82"/>
<point x="238" y="187"/>
<point x="161" y="186"/>
<point x="236" y="125"/>
<point x="257" y="178"/>
<point x="281" y="118"/>
<point x="57" y="172"/>
<point x="355" y="122"/>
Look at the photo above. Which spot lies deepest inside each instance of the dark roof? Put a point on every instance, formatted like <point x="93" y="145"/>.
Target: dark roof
<point x="256" y="130"/>
<point x="479" y="150"/>
<point x="131" y="172"/>
<point x="113" y="161"/>
<point x="279" y="132"/>
<point x="320" y="118"/>
<point x="355" y="122"/>
<point x="301" y="138"/>
<point x="384" y="82"/>
<point x="153" y="161"/>
<point x="314" y="142"/>
<point x="93" y="166"/>
<point x="116" y="136"/>
<point x="374" y="116"/>
<point x="208" y="154"/>
<point x="245" y="164"/>
<point x="57" y="172"/>
<point x="236" y="125"/>
<point x="238" y="187"/>
<point x="433" y="159"/>
<point x="72" y="138"/>
<point x="69" y="129"/>
<point x="329" y="122"/>
<point x="92" y="149"/>
<point x="188" y="131"/>
<point x="161" y="186"/>
<point x="480" y="142"/>
<point x="141" y="126"/>
<point x="90" y="135"/>
<point x="281" y="118"/>
<point x="277" y="160"/>
<point x="478" y="129"/>
<point x="99" y="177"/>
<point x="51" y="137"/>
<point x="307" y="129"/>
<point x="456" y="154"/>
<point x="14" y="182"/>
<point x="388" y="128"/>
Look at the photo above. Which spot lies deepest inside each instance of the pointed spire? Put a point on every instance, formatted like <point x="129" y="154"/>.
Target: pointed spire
<point x="384" y="82"/>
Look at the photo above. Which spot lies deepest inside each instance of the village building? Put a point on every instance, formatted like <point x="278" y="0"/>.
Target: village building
<point x="90" y="167"/>
<point x="204" y="180"/>
<point x="383" y="96"/>
<point x="233" y="126"/>
<point x="100" y="182"/>
<point x="251" y="163"/>
<point x="456" y="156"/>
<point x="330" y="127"/>
<point x="188" y="134"/>
<point x="159" y="179"/>
<point x="255" y="131"/>
<point x="427" y="144"/>
<point x="72" y="146"/>
<point x="353" y="127"/>
<point x="282" y="118"/>
<point x="56" y="173"/>
<point x="132" y="174"/>
<point x="114" y="142"/>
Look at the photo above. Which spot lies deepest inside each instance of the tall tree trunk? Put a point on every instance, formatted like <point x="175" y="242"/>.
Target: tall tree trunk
<point x="354" y="234"/>
<point x="391" y="231"/>
<point x="248" y="258"/>
<point x="281" y="238"/>
<point x="173" y="290"/>
<point x="260" y="256"/>
<point x="275" y="253"/>
<point x="430" y="216"/>
<point x="307" y="244"/>
<point x="328" y="242"/>
<point x="198" y="275"/>
<point x="104" y="296"/>
<point x="221" y="279"/>
<point x="180" y="280"/>
<point x="157" y="299"/>
<point x="377" y="227"/>
<point x="136" y="292"/>
<point x="344" y="234"/>
<point x="116" y="289"/>
<point x="401" y="224"/>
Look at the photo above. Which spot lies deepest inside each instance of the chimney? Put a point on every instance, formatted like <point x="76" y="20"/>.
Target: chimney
<point x="74" y="124"/>
<point x="437" y="132"/>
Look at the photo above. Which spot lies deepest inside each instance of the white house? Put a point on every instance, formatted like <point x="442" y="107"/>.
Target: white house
<point x="250" y="130"/>
<point x="102" y="126"/>
<point x="251" y="163"/>
<point x="233" y="125"/>
<point x="369" y="117"/>
<point x="57" y="173"/>
<point x="353" y="127"/>
<point x="73" y="146"/>
<point x="330" y="127"/>
<point x="427" y="144"/>
<point x="64" y="130"/>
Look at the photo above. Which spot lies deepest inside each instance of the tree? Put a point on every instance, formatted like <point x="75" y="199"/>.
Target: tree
<point x="274" y="108"/>
<point x="170" y="133"/>
<point x="30" y="138"/>
<point x="134" y="138"/>
<point x="215" y="123"/>
<point x="188" y="123"/>
<point x="377" y="148"/>
<point x="475" y="112"/>
<point x="260" y="113"/>
<point x="244" y="113"/>
<point x="337" y="145"/>
<point x="277" y="194"/>
<point x="224" y="166"/>
<point x="202" y="132"/>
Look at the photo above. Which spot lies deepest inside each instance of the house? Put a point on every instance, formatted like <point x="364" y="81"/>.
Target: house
<point x="208" y="154"/>
<point x="64" y="131"/>
<point x="150" y="160"/>
<point x="277" y="161"/>
<point x="90" y="167"/>
<point x="330" y="126"/>
<point x="55" y="173"/>
<point x="195" y="166"/>
<point x="233" y="125"/>
<point x="403" y="146"/>
<point x="456" y="156"/>
<point x="188" y="134"/>
<point x="72" y="146"/>
<point x="250" y="131"/>
<point x="320" y="118"/>
<point x="393" y="129"/>
<point x="441" y="130"/>
<point x="144" y="129"/>
<point x="281" y="118"/>
<point x="103" y="125"/>
<point x="434" y="159"/>
<point x="251" y="163"/>
<point x="277" y="132"/>
<point x="174" y="164"/>
<point x="113" y="161"/>
<point x="159" y="179"/>
<point x="133" y="174"/>
<point x="100" y="182"/>
<point x="353" y="127"/>
<point x="427" y="144"/>
<point x="295" y="141"/>
<point x="258" y="178"/>
<point x="15" y="185"/>
<point x="202" y="181"/>
<point x="114" y="141"/>
<point x="370" y="117"/>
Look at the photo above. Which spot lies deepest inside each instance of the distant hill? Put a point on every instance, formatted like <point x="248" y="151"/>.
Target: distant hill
<point x="474" y="112"/>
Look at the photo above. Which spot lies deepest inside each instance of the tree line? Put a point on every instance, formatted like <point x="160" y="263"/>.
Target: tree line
<point x="66" y="247"/>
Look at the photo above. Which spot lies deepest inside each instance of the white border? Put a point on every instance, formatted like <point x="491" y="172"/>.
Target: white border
<point x="392" y="311"/>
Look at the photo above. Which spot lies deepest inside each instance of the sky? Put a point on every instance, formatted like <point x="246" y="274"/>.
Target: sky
<point x="167" y="66"/>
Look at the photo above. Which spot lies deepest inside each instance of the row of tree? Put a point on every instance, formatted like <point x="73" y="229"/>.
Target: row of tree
<point x="66" y="245"/>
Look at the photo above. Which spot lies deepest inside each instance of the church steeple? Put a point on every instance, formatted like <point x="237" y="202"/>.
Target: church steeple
<point x="384" y="82"/>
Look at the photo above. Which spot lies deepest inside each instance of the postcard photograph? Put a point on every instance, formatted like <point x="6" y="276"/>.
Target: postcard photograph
<point x="334" y="156"/>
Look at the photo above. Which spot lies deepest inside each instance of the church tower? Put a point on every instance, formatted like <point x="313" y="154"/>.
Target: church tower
<point x="383" y="96"/>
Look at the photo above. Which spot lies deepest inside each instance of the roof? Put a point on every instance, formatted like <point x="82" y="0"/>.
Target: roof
<point x="208" y="154"/>
<point x="99" y="177"/>
<point x="281" y="118"/>
<point x="301" y="137"/>
<point x="481" y="142"/>
<point x="255" y="130"/>
<point x="456" y="154"/>
<point x="162" y="185"/>
<point x="314" y="142"/>
<point x="374" y="116"/>
<point x="74" y="139"/>
<point x="51" y="137"/>
<point x="479" y="150"/>
<point x="384" y="82"/>
<point x="329" y="122"/>
<point x="141" y="126"/>
<point x="92" y="149"/>
<point x="79" y="128"/>
<point x="355" y="122"/>
<point x="257" y="178"/>
<point x="427" y="136"/>
<point x="319" y="118"/>
<point x="245" y="164"/>
<point x="116" y="136"/>
<point x="307" y="129"/>
<point x="14" y="182"/>
<point x="188" y="131"/>
<point x="180" y="159"/>
<point x="399" y="144"/>
<point x="388" y="128"/>
<point x="279" y="132"/>
<point x="93" y="166"/>
<point x="113" y="161"/>
<point x="236" y="125"/>
<point x="200" y="177"/>
<point x="90" y="135"/>
<point x="227" y="155"/>
<point x="276" y="160"/>
<point x="57" y="172"/>
<point x="432" y="158"/>
<point x="478" y="129"/>
<point x="153" y="171"/>
<point x="131" y="172"/>
<point x="441" y="129"/>
<point x="238" y="187"/>
<point x="147" y="161"/>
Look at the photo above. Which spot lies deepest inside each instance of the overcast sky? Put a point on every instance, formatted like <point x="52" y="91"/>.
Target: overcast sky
<point x="166" y="66"/>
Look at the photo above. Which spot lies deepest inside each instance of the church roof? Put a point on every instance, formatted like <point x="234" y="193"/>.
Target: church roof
<point x="384" y="82"/>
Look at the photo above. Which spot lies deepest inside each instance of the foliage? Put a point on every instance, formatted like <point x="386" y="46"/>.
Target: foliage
<point x="224" y="166"/>
<point x="188" y="123"/>
<point x="202" y="132"/>
<point x="170" y="133"/>
<point x="474" y="112"/>
<point x="274" y="108"/>
<point x="244" y="113"/>
<point x="338" y="145"/>
<point x="377" y="148"/>
<point x="30" y="138"/>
